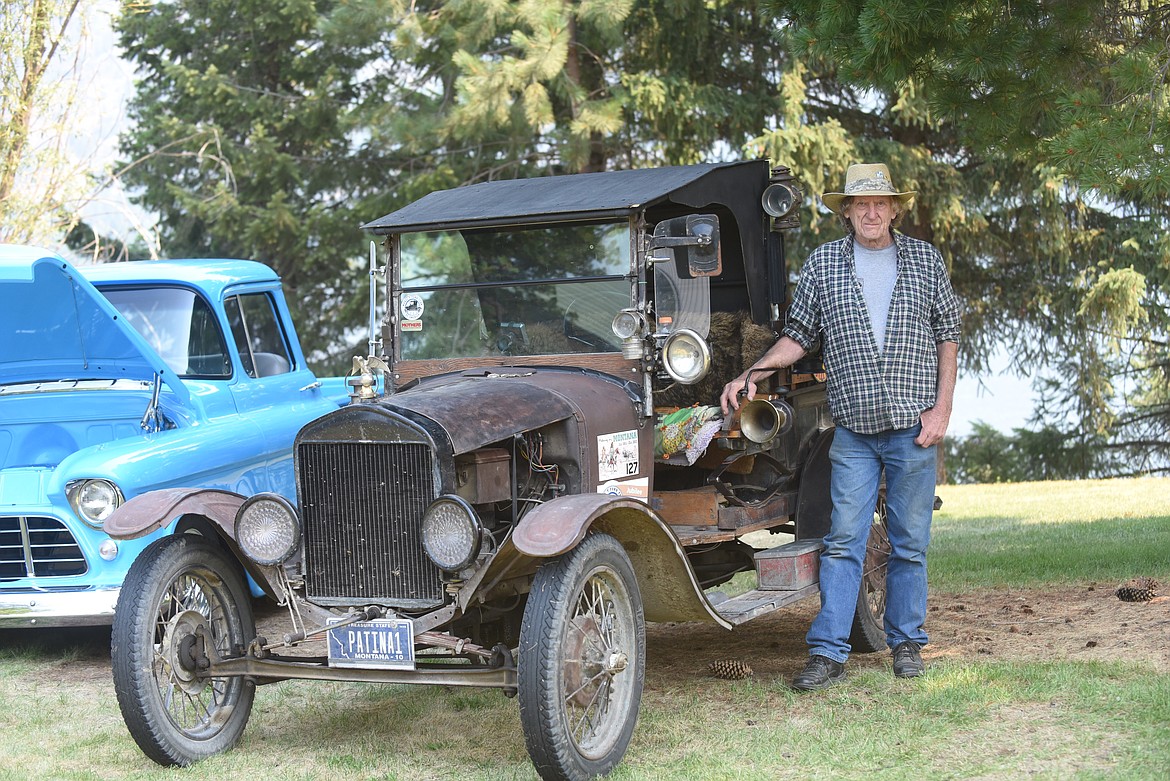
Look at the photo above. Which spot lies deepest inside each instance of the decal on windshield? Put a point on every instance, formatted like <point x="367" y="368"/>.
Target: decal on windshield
<point x="411" y="308"/>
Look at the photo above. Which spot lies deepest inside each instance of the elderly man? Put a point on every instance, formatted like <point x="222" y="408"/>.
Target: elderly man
<point x="881" y="305"/>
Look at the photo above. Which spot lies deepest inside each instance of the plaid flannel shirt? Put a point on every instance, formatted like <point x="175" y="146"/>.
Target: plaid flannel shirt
<point x="871" y="392"/>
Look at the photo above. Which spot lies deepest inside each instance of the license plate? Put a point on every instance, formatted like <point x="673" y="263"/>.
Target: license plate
<point x="380" y="644"/>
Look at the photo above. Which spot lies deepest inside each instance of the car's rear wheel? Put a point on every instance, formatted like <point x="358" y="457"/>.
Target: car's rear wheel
<point x="582" y="661"/>
<point x="182" y="594"/>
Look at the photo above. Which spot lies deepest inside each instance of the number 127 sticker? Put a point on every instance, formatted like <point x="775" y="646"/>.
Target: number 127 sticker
<point x="617" y="455"/>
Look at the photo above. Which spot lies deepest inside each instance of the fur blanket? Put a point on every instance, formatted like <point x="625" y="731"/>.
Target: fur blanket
<point x="736" y="343"/>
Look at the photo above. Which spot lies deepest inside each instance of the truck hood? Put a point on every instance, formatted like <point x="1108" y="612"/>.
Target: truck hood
<point x="480" y="406"/>
<point x="57" y="326"/>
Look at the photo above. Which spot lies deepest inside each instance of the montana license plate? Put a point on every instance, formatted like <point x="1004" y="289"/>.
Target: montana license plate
<point x="384" y="643"/>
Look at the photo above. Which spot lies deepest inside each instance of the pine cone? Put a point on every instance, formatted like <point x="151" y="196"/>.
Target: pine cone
<point x="730" y="669"/>
<point x="1138" y="590"/>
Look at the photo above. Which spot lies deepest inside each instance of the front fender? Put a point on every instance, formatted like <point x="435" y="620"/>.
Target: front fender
<point x="228" y="455"/>
<point x="670" y="590"/>
<point x="153" y="510"/>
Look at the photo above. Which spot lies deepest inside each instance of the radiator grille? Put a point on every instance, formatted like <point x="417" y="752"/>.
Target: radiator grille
<point x="36" y="547"/>
<point x="362" y="505"/>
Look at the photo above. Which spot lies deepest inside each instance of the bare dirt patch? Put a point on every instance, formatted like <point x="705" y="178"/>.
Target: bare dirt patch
<point x="1067" y="622"/>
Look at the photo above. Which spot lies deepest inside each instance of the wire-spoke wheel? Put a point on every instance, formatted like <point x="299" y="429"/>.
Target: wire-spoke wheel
<point x="868" y="633"/>
<point x="181" y="599"/>
<point x="582" y="661"/>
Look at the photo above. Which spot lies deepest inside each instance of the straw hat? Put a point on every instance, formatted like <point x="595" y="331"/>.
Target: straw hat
<point x="866" y="179"/>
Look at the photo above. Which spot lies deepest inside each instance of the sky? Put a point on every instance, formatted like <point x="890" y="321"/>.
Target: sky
<point x="997" y="398"/>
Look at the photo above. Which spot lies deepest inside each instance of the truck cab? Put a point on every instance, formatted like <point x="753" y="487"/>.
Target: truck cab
<point x="121" y="379"/>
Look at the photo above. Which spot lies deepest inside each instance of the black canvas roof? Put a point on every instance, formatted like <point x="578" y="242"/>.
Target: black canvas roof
<point x="578" y="196"/>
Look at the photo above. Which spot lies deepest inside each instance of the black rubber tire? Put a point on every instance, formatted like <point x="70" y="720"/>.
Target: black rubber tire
<point x="176" y="585"/>
<point x="582" y="661"/>
<point x="868" y="634"/>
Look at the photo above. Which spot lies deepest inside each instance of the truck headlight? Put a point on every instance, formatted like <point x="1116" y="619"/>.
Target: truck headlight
<point x="268" y="529"/>
<point x="686" y="356"/>
<point x="451" y="533"/>
<point x="93" y="500"/>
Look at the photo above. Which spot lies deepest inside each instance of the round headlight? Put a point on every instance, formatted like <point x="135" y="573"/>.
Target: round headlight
<point x="94" y="500"/>
<point x="626" y="324"/>
<point x="451" y="533"/>
<point x="267" y="529"/>
<point x="686" y="356"/>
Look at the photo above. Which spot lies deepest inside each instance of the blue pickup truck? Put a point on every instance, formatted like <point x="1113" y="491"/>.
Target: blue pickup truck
<point x="124" y="378"/>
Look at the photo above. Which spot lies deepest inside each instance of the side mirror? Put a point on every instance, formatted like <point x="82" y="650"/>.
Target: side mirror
<point x="694" y="241"/>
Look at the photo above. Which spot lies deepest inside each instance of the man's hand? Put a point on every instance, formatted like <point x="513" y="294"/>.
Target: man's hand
<point x="934" y="427"/>
<point x="936" y="419"/>
<point x="785" y="352"/>
<point x="729" y="400"/>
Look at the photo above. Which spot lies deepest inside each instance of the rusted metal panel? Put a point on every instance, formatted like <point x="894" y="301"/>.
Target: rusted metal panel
<point x="155" y="509"/>
<point x="152" y="510"/>
<point x="602" y="415"/>
<point x="555" y="527"/>
<point x="483" y="476"/>
<point x="789" y="567"/>
<point x="476" y="411"/>
<point x="482" y="407"/>
<point x="670" y="590"/>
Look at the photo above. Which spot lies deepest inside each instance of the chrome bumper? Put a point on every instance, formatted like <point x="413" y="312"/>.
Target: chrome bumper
<point x="58" y="608"/>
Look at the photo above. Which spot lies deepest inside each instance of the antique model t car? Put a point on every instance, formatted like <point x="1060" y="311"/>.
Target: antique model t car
<point x="533" y="466"/>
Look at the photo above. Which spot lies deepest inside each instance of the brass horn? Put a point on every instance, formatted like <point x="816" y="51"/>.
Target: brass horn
<point x="762" y="420"/>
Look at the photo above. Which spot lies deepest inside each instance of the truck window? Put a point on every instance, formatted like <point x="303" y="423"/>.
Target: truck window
<point x="179" y="325"/>
<point x="259" y="337"/>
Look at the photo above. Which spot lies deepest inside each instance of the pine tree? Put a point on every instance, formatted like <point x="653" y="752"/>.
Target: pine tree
<point x="1036" y="135"/>
<point x="248" y="143"/>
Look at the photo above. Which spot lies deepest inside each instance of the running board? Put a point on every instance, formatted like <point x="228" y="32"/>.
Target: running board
<point x="755" y="603"/>
<point x="784" y="574"/>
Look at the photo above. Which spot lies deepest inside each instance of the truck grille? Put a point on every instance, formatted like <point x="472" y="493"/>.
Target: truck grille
<point x="38" y="547"/>
<point x="362" y="505"/>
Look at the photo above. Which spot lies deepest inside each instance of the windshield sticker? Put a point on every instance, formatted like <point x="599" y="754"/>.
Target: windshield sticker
<point x="638" y="488"/>
<point x="617" y="455"/>
<point x="411" y="306"/>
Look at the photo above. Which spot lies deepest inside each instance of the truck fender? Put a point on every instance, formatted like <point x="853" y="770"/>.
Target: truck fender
<point x="670" y="590"/>
<point x="153" y="510"/>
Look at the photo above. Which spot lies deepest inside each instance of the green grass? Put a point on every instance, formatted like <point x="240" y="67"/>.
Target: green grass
<point x="968" y="718"/>
<point x="1028" y="534"/>
<point x="1048" y="720"/>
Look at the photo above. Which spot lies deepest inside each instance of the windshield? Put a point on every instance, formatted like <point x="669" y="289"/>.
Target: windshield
<point x="179" y="325"/>
<point x="545" y="290"/>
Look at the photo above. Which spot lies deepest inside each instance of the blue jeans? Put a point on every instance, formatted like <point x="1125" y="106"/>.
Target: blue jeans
<point x="858" y="461"/>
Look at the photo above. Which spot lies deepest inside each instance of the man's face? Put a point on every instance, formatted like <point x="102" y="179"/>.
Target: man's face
<point x="871" y="216"/>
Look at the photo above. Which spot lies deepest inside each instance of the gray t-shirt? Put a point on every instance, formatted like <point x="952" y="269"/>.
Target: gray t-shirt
<point x="877" y="270"/>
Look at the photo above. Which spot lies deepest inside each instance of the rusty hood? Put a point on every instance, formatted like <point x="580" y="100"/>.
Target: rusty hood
<point x="478" y="407"/>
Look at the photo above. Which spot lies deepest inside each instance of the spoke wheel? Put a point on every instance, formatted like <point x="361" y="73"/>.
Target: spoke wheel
<point x="868" y="633"/>
<point x="182" y="598"/>
<point x="582" y="661"/>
